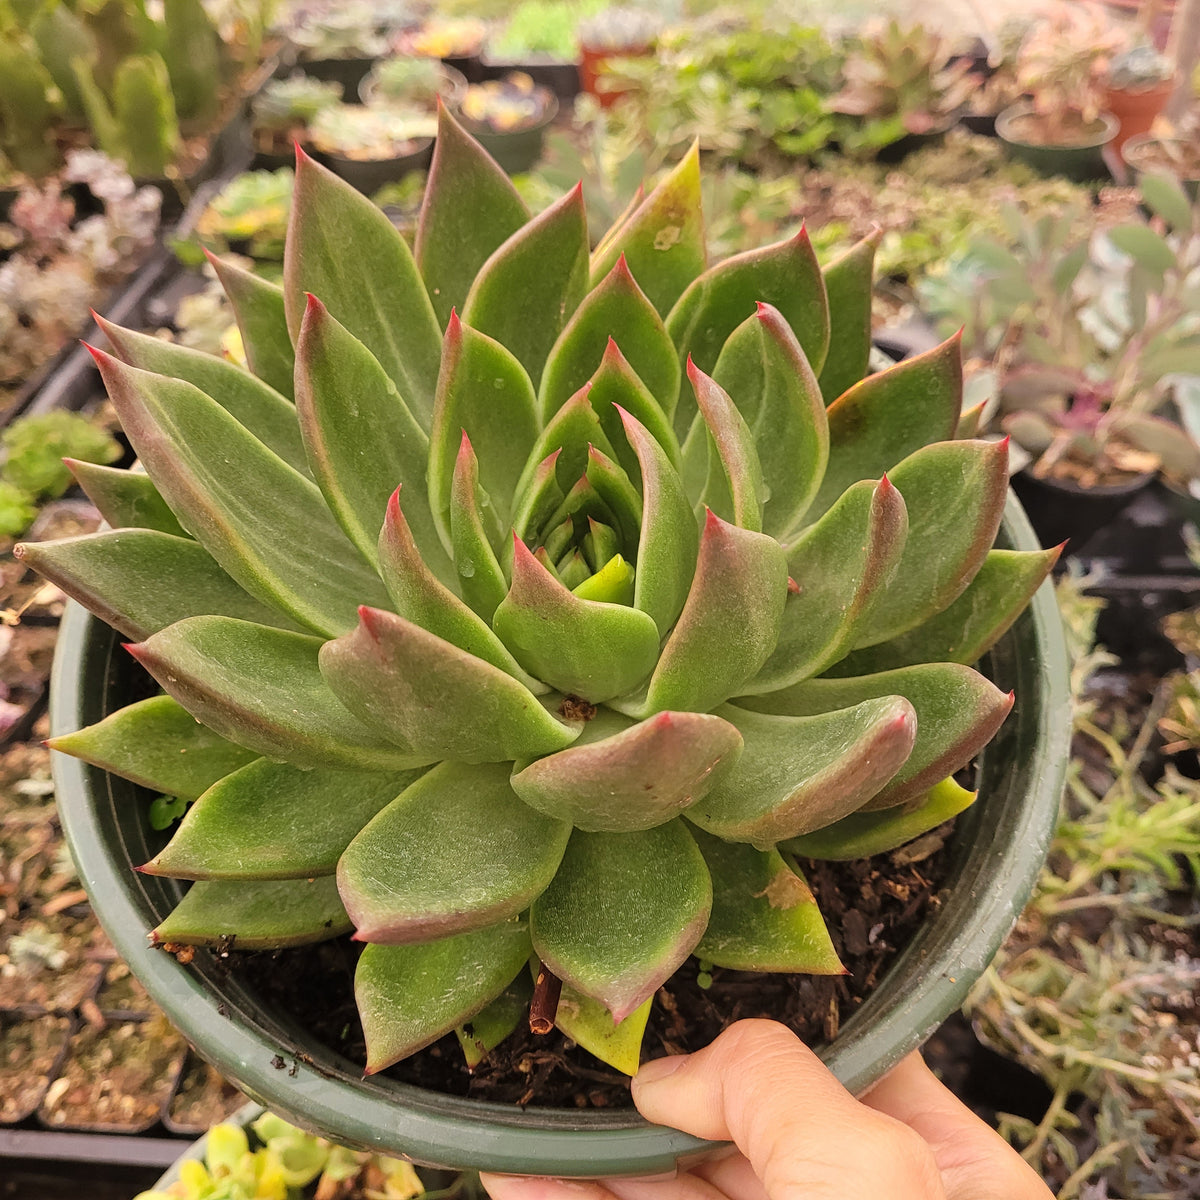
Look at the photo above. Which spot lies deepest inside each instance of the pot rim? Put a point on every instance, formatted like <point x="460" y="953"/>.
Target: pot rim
<point x="1141" y="140"/>
<point x="1001" y="842"/>
<point x="1109" y="128"/>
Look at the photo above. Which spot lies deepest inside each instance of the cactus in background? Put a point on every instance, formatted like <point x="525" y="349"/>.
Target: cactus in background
<point x="192" y="51"/>
<point x="61" y="36"/>
<point x="117" y="34"/>
<point x="139" y="127"/>
<point x="26" y="111"/>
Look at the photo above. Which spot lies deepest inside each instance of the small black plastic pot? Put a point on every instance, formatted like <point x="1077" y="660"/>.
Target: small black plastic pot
<point x="997" y="850"/>
<point x="369" y="175"/>
<point x="516" y="151"/>
<point x="349" y="72"/>
<point x="560" y="77"/>
<point x="1081" y="161"/>
<point x="900" y="149"/>
<point x="1062" y="511"/>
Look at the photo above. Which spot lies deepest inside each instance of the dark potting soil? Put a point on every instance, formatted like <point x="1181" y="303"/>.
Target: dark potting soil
<point x="872" y="906"/>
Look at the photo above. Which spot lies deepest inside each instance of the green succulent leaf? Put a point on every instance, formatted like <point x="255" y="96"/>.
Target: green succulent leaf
<point x="525" y="293"/>
<point x="785" y="275"/>
<point x="482" y="392"/>
<point x="1164" y="196"/>
<point x="797" y="774"/>
<point x="455" y="237"/>
<point x="480" y="577"/>
<point x="615" y="490"/>
<point x="131" y="578"/>
<point x="764" y="370"/>
<point x="361" y="437"/>
<point x="270" y="820"/>
<point x="261" y="316"/>
<point x="579" y="646"/>
<point x="456" y="851"/>
<point x="262" y="688"/>
<point x="419" y="596"/>
<point x="422" y="692"/>
<point x="972" y="625"/>
<point x="567" y="436"/>
<point x="620" y="777"/>
<point x="764" y="916"/>
<point x="1147" y="248"/>
<point x="615" y="386"/>
<point x="958" y="713"/>
<point x="479" y="1036"/>
<point x="865" y="833"/>
<point x="263" y="914"/>
<point x="588" y="1023"/>
<point x="265" y="523"/>
<point x="729" y="624"/>
<point x="612" y="584"/>
<point x="669" y="541"/>
<point x="889" y="415"/>
<point x="840" y="567"/>
<point x="156" y="743"/>
<point x="734" y="488"/>
<point x="409" y="996"/>
<point x="848" y="286"/>
<point x="257" y="407"/>
<point x="623" y="911"/>
<point x="615" y="310"/>
<point x="663" y="239"/>
<point x="125" y="499"/>
<point x="342" y="249"/>
<point x="955" y="493"/>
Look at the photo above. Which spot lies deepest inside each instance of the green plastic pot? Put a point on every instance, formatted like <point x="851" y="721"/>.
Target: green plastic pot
<point x="1082" y="161"/>
<point x="997" y="850"/>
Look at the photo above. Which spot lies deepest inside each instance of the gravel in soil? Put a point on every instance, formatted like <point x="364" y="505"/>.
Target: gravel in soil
<point x="118" y="1077"/>
<point x="29" y="1051"/>
<point x="872" y="906"/>
<point x="202" y="1099"/>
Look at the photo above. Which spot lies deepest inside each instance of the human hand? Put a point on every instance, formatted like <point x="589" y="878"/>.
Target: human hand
<point x="799" y="1135"/>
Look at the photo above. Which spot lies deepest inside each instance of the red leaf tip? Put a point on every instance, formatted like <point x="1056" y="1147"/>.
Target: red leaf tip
<point x="100" y="356"/>
<point x="712" y="522"/>
<point x="311" y="304"/>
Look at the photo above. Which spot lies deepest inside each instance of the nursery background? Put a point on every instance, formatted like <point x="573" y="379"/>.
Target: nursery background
<point x="1029" y="173"/>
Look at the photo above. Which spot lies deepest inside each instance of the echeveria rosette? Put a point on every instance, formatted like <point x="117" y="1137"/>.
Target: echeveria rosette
<point x="554" y="636"/>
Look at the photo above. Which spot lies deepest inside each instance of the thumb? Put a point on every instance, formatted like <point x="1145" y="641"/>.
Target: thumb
<point x="975" y="1162"/>
<point x="760" y="1087"/>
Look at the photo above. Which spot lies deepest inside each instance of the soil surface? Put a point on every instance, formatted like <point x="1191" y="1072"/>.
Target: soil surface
<point x="873" y="907"/>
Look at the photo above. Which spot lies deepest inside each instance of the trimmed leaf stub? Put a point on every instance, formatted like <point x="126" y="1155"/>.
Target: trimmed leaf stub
<point x="455" y="851"/>
<point x="409" y="996"/>
<point x="622" y="913"/>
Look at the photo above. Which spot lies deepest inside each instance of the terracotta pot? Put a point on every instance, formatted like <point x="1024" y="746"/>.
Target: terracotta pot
<point x="592" y="64"/>
<point x="1136" y="110"/>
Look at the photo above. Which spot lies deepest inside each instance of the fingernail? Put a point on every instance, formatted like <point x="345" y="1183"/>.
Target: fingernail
<point x="658" y="1070"/>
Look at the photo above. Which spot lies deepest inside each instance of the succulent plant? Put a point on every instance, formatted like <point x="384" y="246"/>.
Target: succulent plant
<point x="1062" y="62"/>
<point x="1092" y="337"/>
<point x="370" y="134"/>
<point x="1140" y="66"/>
<point x="279" y="1162"/>
<point x="286" y="107"/>
<point x="619" y="28"/>
<point x="447" y="37"/>
<point x="554" y="634"/>
<point x="905" y="72"/>
<point x="412" y="80"/>
<point x="507" y="105"/>
<point x="338" y="31"/>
